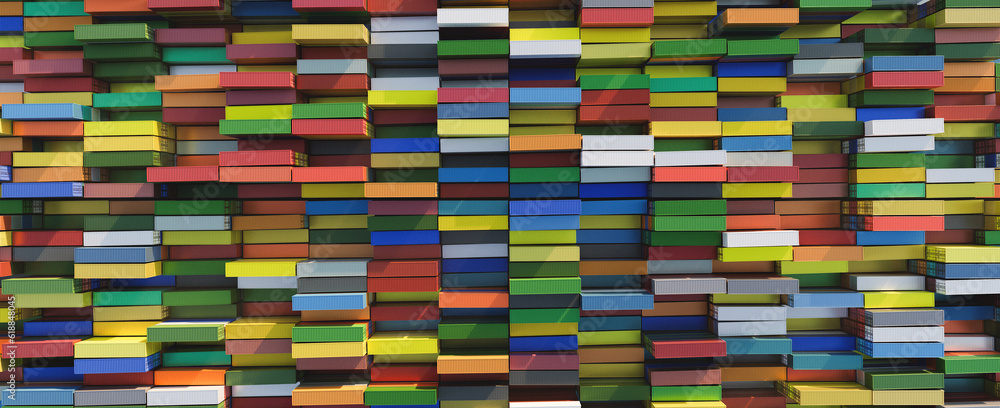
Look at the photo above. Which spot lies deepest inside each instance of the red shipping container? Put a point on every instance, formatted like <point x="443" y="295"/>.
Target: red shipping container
<point x="192" y="36"/>
<point x="53" y="67"/>
<point x="422" y="207"/>
<point x="905" y="223"/>
<point x="752" y="398"/>
<point x="414" y="284"/>
<point x="262" y="158"/>
<point x="145" y="378"/>
<point x="386" y="269"/>
<point x="402" y="8"/>
<point x="904" y="80"/>
<point x="25" y="348"/>
<point x="182" y="174"/>
<point x="473" y="95"/>
<point x="11" y="54"/>
<point x="284" y="190"/>
<point x="762" y="174"/>
<point x="346" y="84"/>
<point x="193" y="116"/>
<point x="683" y="114"/>
<point x="6" y="158"/>
<point x="257" y="80"/>
<point x="314" y="6"/>
<point x="179" y="252"/>
<point x="616" y="17"/>
<point x="827" y="238"/>
<point x="404" y="311"/>
<point x="686" y="174"/>
<point x="967" y="113"/>
<point x="341" y="174"/>
<point x="404" y="117"/>
<point x="250" y="54"/>
<point x="404" y="372"/>
<point x="354" y="128"/>
<point x="65" y="84"/>
<point x="615" y="97"/>
<point x="48" y="238"/>
<point x="613" y="114"/>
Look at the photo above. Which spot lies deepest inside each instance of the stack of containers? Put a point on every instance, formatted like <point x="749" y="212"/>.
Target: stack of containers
<point x="613" y="299"/>
<point x="543" y="96"/>
<point x="11" y="49"/>
<point x="194" y="90"/>
<point x="614" y="102"/>
<point x="46" y="340"/>
<point x="473" y="365"/>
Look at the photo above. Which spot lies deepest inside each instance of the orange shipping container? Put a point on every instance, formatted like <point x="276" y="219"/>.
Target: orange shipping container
<point x="545" y="142"/>
<point x="189" y="376"/>
<point x="827" y="253"/>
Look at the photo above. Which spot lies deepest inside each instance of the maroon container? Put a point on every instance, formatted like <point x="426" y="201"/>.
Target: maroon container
<point x="192" y="36"/>
<point x="312" y="6"/>
<point x="194" y="116"/>
<point x="416" y="207"/>
<point x="563" y="159"/>
<point x="69" y="84"/>
<point x="473" y="95"/>
<point x="474" y="190"/>
<point x="11" y="54"/>
<point x="245" y="97"/>
<point x="404" y="117"/>
<point x="283" y="190"/>
<point x="257" y="80"/>
<point x="206" y="251"/>
<point x="472" y="67"/>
